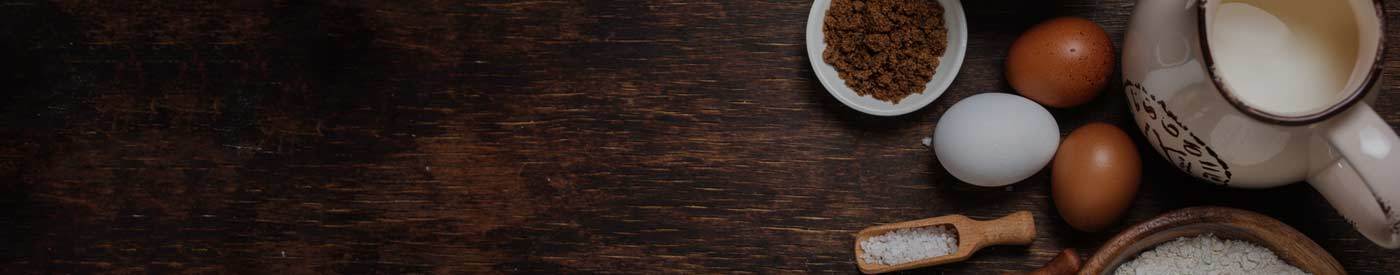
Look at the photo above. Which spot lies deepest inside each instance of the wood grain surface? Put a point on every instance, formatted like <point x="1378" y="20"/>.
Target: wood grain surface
<point x="199" y="136"/>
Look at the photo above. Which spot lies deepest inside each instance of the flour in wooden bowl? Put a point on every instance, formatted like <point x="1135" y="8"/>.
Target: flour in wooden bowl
<point x="1206" y="254"/>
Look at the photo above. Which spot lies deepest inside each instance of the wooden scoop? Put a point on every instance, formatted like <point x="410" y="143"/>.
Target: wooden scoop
<point x="1017" y="228"/>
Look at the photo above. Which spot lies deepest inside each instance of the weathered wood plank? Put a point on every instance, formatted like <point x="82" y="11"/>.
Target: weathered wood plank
<point x="505" y="136"/>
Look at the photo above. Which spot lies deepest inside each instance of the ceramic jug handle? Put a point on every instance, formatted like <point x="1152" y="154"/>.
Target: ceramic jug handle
<point x="1364" y="186"/>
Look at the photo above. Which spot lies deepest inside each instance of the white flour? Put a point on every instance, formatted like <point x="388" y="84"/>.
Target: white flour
<point x="1207" y="254"/>
<point x="907" y="245"/>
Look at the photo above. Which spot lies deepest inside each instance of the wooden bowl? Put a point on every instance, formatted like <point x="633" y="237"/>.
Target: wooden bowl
<point x="1225" y="223"/>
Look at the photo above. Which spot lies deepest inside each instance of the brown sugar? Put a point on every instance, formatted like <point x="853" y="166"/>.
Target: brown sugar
<point x="887" y="49"/>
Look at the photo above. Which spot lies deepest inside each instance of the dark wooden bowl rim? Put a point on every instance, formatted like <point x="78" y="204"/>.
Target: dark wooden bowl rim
<point x="1226" y="223"/>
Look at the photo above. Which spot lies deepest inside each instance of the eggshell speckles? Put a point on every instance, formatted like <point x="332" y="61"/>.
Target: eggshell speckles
<point x="1062" y="63"/>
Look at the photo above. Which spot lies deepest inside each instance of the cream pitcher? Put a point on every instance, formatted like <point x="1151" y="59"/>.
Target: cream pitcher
<point x="1263" y="93"/>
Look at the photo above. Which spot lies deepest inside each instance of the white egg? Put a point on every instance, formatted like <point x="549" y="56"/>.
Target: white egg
<point x="995" y="139"/>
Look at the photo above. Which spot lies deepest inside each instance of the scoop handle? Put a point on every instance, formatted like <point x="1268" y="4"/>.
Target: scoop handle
<point x="1017" y="228"/>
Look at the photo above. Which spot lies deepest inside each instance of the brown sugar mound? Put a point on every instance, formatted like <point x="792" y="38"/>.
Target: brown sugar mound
<point x="887" y="49"/>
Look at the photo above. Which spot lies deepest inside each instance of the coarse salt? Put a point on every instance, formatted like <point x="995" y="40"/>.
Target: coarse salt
<point x="909" y="244"/>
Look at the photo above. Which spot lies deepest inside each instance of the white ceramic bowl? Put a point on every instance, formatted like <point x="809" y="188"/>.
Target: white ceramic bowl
<point x="948" y="65"/>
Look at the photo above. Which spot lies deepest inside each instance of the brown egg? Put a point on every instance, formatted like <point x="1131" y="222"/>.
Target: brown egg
<point x="1061" y="63"/>
<point x="1094" y="176"/>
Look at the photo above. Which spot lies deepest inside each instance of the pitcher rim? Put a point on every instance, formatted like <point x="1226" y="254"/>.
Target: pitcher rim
<point x="1313" y="117"/>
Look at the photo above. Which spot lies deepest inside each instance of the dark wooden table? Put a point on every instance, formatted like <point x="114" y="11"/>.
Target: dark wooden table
<point x="507" y="136"/>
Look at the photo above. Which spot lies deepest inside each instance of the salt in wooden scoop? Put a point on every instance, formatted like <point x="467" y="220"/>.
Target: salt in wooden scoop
<point x="972" y="235"/>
